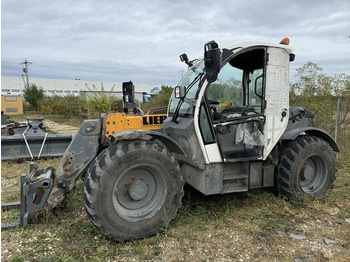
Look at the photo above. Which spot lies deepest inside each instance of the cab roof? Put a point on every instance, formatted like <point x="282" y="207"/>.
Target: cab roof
<point x="245" y="45"/>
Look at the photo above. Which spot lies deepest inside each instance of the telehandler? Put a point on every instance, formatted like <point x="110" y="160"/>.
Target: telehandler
<point x="229" y="128"/>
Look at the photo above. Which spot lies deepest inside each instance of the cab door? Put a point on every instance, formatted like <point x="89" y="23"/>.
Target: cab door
<point x="277" y="97"/>
<point x="235" y="107"/>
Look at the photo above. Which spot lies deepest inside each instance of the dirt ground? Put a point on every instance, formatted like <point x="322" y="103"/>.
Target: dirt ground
<point x="249" y="226"/>
<point x="60" y="128"/>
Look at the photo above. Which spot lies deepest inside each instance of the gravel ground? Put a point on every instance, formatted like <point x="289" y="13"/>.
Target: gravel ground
<point x="60" y="128"/>
<point x="251" y="226"/>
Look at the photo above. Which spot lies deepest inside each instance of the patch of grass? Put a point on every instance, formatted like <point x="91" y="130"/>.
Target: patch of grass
<point x="11" y="172"/>
<point x="17" y="258"/>
<point x="234" y="227"/>
<point x="10" y="216"/>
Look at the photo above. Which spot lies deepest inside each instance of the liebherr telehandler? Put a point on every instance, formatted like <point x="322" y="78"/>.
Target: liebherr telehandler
<point x="229" y="129"/>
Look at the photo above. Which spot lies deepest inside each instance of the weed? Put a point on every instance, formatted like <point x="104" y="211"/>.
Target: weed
<point x="217" y="228"/>
<point x="17" y="258"/>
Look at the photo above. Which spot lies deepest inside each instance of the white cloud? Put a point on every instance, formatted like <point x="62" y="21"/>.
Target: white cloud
<point x="141" y="40"/>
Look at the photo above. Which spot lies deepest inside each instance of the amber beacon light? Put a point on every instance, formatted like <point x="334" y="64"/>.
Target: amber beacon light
<point x="285" y="41"/>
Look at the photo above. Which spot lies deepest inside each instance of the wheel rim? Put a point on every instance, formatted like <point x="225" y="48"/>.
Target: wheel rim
<point x="139" y="193"/>
<point x="312" y="175"/>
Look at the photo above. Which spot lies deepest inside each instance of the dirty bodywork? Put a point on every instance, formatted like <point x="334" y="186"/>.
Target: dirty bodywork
<point x="44" y="189"/>
<point x="229" y="129"/>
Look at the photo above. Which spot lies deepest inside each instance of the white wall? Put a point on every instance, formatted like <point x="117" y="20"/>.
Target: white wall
<point x="15" y="86"/>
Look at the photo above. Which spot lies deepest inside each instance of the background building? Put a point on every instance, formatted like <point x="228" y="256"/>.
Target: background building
<point x="15" y="86"/>
<point x="11" y="105"/>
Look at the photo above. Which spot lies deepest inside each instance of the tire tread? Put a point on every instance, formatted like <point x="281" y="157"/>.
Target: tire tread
<point x="102" y="162"/>
<point x="289" y="153"/>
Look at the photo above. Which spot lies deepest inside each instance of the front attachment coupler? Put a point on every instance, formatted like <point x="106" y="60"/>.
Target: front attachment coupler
<point x="35" y="191"/>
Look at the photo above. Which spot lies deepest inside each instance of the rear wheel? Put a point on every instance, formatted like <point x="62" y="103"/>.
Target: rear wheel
<point x="133" y="189"/>
<point x="306" y="168"/>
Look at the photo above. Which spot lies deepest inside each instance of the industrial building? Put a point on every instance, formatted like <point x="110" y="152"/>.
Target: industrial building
<point x="12" y="104"/>
<point x="62" y="87"/>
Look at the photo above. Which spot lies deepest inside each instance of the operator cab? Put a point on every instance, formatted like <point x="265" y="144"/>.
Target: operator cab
<point x="231" y="116"/>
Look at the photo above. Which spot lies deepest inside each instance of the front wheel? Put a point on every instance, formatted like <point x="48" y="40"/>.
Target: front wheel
<point x="133" y="189"/>
<point x="306" y="168"/>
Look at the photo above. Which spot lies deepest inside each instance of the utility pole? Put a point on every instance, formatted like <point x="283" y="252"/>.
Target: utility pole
<point x="25" y="70"/>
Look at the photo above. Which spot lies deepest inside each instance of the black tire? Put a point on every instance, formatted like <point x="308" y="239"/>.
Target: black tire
<point x="306" y="169"/>
<point x="133" y="190"/>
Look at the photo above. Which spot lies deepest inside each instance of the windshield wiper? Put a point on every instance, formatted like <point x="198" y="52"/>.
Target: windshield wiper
<point x="177" y="110"/>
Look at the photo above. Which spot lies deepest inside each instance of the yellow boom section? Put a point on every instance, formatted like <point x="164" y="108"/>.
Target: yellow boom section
<point x="118" y="122"/>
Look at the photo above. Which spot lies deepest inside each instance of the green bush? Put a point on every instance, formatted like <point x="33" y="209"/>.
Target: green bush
<point x="65" y="106"/>
<point x="96" y="101"/>
<point x="319" y="93"/>
<point x="159" y="100"/>
<point x="46" y="110"/>
<point x="117" y="105"/>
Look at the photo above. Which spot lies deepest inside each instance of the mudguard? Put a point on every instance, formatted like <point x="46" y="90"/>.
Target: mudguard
<point x="171" y="144"/>
<point x="294" y="133"/>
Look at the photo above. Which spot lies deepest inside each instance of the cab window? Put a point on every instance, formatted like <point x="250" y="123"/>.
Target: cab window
<point x="239" y="88"/>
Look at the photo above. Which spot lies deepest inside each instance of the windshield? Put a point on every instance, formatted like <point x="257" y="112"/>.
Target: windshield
<point x="187" y="106"/>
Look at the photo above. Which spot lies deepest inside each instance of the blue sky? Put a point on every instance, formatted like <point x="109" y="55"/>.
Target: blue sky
<point x="142" y="40"/>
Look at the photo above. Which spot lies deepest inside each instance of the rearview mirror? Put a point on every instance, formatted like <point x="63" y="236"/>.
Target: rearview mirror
<point x="212" y="60"/>
<point x="128" y="92"/>
<point x="184" y="58"/>
<point x="180" y="92"/>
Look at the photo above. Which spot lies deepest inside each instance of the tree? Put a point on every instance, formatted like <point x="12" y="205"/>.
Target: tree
<point x="34" y="95"/>
<point x="319" y="92"/>
<point x="161" y="99"/>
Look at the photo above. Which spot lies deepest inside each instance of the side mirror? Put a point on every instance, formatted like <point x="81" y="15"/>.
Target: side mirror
<point x="180" y="92"/>
<point x="126" y="99"/>
<point x="291" y="57"/>
<point x="212" y="60"/>
<point x="184" y="58"/>
<point x="128" y="92"/>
